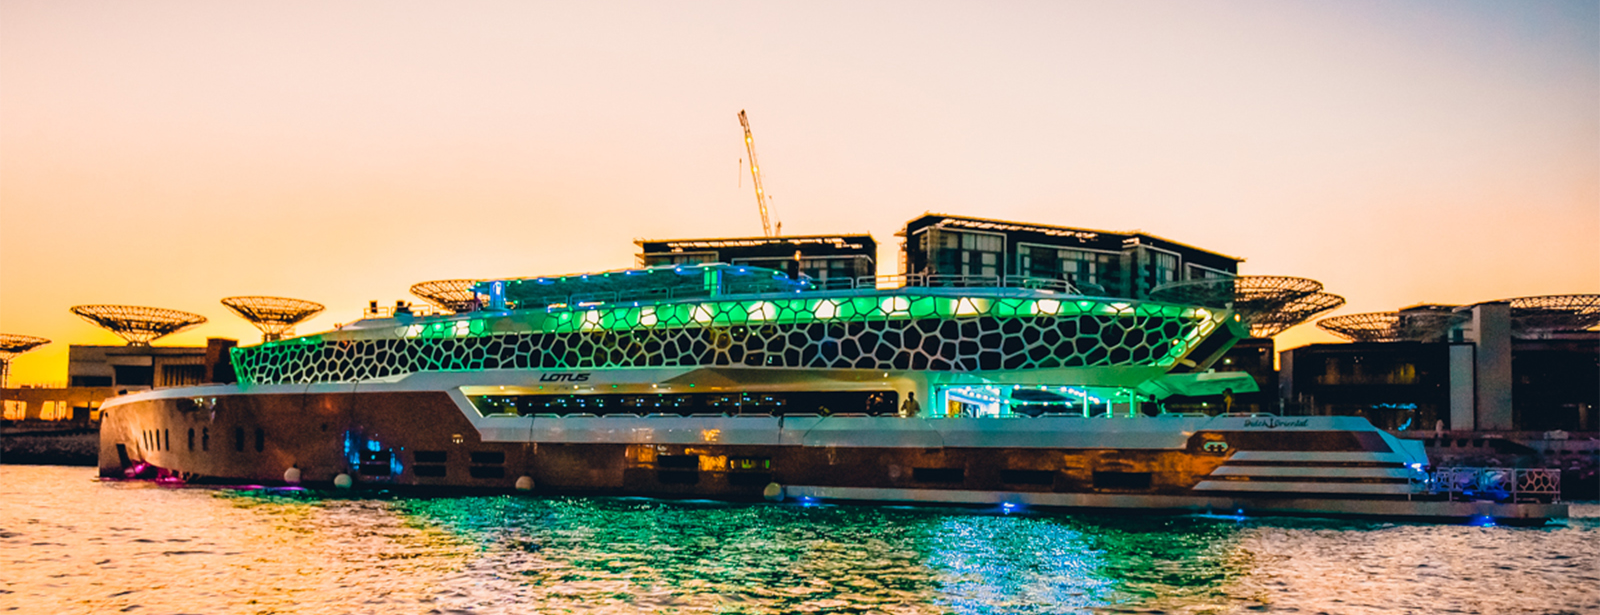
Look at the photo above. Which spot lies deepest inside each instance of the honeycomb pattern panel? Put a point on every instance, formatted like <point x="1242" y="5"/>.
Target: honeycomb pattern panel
<point x="937" y="344"/>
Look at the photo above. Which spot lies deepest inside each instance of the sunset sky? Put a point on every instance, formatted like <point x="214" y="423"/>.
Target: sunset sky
<point x="173" y="153"/>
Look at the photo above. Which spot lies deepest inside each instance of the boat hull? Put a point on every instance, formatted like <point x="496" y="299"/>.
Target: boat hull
<point x="1326" y="466"/>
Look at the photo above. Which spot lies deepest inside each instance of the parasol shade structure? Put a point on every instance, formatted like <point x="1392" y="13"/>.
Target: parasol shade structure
<point x="137" y="324"/>
<point x="274" y="316"/>
<point x="1268" y="304"/>
<point x="454" y="295"/>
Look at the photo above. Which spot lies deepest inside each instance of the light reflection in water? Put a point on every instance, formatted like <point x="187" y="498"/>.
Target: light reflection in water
<point x="71" y="545"/>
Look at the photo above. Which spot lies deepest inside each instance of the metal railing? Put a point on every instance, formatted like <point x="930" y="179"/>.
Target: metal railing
<point x="731" y="287"/>
<point x="1508" y="484"/>
<point x="403" y="310"/>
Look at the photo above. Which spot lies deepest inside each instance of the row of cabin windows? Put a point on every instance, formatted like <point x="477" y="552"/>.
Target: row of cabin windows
<point x="161" y="439"/>
<point x="978" y="254"/>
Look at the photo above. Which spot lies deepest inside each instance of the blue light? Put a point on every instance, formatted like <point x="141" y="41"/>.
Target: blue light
<point x="1481" y="521"/>
<point x="1007" y="507"/>
<point x="351" y="451"/>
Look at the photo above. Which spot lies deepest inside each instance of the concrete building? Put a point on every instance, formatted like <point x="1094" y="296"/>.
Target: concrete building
<point x="1514" y="365"/>
<point x="96" y="373"/>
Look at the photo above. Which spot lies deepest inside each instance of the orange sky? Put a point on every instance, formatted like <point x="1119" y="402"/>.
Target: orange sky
<point x="171" y="154"/>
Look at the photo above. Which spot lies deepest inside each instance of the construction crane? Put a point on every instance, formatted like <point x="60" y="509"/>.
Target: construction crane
<point x="755" y="174"/>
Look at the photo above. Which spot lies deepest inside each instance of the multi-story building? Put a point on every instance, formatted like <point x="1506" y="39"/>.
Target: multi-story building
<point x="829" y="260"/>
<point x="962" y="250"/>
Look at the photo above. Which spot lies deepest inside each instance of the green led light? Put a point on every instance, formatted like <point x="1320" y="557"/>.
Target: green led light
<point x="1177" y="328"/>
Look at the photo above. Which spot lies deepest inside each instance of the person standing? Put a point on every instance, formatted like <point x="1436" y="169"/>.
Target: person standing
<point x="910" y="408"/>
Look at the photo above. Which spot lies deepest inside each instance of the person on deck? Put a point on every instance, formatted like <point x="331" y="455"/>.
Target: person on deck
<point x="910" y="408"/>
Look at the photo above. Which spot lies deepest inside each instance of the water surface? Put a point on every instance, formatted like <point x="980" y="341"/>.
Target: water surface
<point x="71" y="544"/>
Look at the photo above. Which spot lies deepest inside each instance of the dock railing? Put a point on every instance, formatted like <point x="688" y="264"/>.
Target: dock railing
<point x="1510" y="484"/>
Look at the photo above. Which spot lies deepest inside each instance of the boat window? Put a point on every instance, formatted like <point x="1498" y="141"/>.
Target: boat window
<point x="488" y="457"/>
<point x="876" y="403"/>
<point x="238" y="439"/>
<point x="191" y="439"/>
<point x="261" y="439"/>
<point x="1027" y="477"/>
<point x="376" y="463"/>
<point x="938" y="475"/>
<point x="1121" y="480"/>
<point x="205" y="438"/>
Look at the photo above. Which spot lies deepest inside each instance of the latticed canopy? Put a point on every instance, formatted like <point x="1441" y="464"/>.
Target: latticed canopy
<point x="1405" y="326"/>
<point x="274" y="316"/>
<point x="454" y="295"/>
<point x="138" y="325"/>
<point x="1554" y="313"/>
<point x="1270" y="304"/>
<point x="12" y="345"/>
<point x="1268" y="324"/>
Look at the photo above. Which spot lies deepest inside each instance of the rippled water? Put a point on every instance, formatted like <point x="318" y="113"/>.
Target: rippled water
<point x="70" y="544"/>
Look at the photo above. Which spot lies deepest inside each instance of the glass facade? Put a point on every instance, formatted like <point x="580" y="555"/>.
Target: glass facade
<point x="679" y="258"/>
<point x="1163" y="268"/>
<point x="1091" y="272"/>
<point x="958" y="253"/>
<point x="831" y="272"/>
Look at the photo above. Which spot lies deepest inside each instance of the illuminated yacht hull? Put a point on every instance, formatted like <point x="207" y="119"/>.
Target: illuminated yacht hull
<point x="771" y="394"/>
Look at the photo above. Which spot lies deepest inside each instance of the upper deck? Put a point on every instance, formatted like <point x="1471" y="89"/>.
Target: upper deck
<point x="722" y="315"/>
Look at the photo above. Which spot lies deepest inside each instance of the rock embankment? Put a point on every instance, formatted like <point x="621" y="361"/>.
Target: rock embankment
<point x="78" y="446"/>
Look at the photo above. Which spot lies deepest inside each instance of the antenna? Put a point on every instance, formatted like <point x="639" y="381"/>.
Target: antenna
<point x="138" y="325"/>
<point x="12" y="345"/>
<point x="755" y="174"/>
<point x="454" y="295"/>
<point x="274" y="316"/>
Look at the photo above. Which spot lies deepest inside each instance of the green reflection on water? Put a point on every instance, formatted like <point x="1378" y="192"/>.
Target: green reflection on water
<point x="703" y="556"/>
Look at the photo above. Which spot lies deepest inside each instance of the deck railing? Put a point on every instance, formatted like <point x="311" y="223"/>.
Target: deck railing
<point x="1511" y="484"/>
<point x="736" y="287"/>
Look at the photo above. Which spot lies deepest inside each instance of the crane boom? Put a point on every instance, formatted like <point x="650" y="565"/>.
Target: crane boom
<point x="755" y="174"/>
